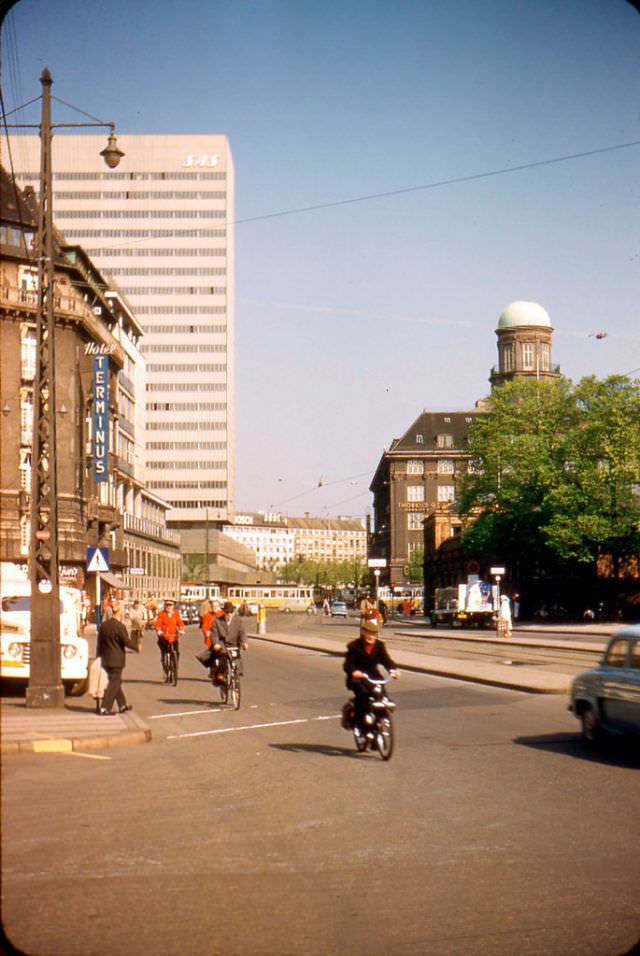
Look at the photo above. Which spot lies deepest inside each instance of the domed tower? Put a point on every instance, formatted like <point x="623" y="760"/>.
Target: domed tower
<point x="524" y="343"/>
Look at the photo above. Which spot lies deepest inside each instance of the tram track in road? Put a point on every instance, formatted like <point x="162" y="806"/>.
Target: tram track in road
<point x="560" y="657"/>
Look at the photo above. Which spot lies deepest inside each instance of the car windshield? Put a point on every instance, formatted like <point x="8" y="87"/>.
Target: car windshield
<point x="616" y="656"/>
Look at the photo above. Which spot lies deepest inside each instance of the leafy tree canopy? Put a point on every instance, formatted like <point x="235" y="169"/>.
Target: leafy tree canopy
<point x="324" y="573"/>
<point x="555" y="471"/>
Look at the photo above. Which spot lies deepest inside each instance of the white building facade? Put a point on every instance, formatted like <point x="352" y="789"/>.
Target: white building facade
<point x="277" y="539"/>
<point x="161" y="225"/>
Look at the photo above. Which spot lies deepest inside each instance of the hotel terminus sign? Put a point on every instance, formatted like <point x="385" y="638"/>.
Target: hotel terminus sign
<point x="100" y="417"/>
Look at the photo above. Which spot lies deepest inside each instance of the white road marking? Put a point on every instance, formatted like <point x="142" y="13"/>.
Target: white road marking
<point x="185" y="713"/>
<point x="276" y="723"/>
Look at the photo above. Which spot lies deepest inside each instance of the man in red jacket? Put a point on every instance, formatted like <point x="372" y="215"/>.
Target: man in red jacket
<point x="169" y="628"/>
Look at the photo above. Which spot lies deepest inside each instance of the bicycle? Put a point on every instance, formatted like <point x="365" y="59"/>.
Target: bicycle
<point x="230" y="670"/>
<point x="170" y="664"/>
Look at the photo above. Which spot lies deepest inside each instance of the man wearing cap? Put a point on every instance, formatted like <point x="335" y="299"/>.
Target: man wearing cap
<point x="169" y="628"/>
<point x="226" y="630"/>
<point x="364" y="656"/>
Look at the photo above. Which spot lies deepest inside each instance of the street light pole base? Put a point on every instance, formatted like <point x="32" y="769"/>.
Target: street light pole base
<point x="45" y="696"/>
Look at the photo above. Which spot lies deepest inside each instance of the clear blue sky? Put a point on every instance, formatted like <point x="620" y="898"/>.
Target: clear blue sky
<point x="353" y="318"/>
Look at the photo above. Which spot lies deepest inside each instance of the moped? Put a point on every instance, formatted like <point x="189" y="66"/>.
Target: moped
<point x="377" y="733"/>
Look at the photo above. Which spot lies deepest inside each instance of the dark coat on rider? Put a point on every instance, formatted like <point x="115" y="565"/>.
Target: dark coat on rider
<point x="229" y="633"/>
<point x="357" y="659"/>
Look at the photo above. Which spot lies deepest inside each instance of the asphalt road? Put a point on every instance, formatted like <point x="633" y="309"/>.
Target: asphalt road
<point x="492" y="830"/>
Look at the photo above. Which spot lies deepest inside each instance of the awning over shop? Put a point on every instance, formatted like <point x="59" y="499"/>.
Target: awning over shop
<point x="114" y="581"/>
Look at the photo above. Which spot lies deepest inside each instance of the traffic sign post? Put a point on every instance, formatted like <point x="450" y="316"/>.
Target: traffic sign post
<point x="97" y="562"/>
<point x="376" y="564"/>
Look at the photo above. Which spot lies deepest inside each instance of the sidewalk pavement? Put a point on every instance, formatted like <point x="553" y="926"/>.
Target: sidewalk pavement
<point x="76" y="729"/>
<point x="62" y="730"/>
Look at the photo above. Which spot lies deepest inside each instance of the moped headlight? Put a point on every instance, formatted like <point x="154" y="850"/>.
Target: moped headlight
<point x="69" y="651"/>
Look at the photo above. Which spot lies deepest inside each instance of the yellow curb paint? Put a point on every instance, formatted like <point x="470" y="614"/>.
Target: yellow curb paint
<point x="60" y="746"/>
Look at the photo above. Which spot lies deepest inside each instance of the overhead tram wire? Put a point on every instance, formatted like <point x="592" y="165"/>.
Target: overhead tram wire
<point x="324" y="484"/>
<point x="438" y="184"/>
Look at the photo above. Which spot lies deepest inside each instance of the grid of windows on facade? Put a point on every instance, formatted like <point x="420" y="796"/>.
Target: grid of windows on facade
<point x="195" y="504"/>
<point x="184" y="330"/>
<point x="445" y="466"/>
<point x="137" y="175"/>
<point x="415" y="520"/>
<point x="415" y="492"/>
<point x="156" y="564"/>
<point x="168" y="271"/>
<point x="127" y="194"/>
<point x="140" y="214"/>
<point x="209" y="253"/>
<point x="184" y="367"/>
<point x="72" y="233"/>
<point x="415" y="467"/>
<point x="444" y="440"/>
<point x="173" y="289"/>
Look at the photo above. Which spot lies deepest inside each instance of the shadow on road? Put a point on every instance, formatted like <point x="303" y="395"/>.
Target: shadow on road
<point x="325" y="749"/>
<point x="616" y="752"/>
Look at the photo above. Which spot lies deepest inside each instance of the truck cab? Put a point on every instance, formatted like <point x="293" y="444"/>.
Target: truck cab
<point x="15" y="635"/>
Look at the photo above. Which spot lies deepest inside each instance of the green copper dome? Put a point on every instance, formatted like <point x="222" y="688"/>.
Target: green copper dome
<point x="524" y="313"/>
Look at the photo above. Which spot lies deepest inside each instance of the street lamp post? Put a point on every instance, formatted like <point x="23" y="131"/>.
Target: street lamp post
<point x="45" y="686"/>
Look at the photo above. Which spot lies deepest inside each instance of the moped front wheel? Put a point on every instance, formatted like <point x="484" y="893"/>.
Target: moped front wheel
<point x="360" y="740"/>
<point x="384" y="738"/>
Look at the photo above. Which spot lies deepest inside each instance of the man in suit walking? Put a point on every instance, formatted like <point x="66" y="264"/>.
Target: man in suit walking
<point x="113" y="638"/>
<point x="226" y="630"/>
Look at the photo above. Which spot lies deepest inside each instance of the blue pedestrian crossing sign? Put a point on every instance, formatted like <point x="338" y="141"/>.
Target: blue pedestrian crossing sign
<point x="98" y="560"/>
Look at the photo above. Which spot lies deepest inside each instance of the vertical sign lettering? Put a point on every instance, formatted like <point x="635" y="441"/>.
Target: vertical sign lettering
<point x="100" y="417"/>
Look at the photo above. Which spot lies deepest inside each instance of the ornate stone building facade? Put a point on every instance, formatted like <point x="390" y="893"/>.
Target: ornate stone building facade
<point x="92" y="322"/>
<point x="416" y="476"/>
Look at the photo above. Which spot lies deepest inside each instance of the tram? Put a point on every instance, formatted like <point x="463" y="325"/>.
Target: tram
<point x="273" y="596"/>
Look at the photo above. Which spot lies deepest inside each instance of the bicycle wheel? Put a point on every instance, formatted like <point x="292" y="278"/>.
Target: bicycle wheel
<point x="173" y="668"/>
<point x="384" y="738"/>
<point x="224" y="686"/>
<point x="234" y="689"/>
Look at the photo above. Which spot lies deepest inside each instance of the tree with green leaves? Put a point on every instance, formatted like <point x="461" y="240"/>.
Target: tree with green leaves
<point x="554" y="475"/>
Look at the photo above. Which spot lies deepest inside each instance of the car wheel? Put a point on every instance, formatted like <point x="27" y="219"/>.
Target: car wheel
<point x="591" y="729"/>
<point x="76" y="688"/>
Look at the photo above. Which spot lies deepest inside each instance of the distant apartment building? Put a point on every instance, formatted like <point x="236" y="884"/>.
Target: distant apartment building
<point x="277" y="539"/>
<point x="162" y="226"/>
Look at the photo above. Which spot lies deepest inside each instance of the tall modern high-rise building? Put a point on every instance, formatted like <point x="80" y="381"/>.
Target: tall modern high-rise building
<point x="161" y="225"/>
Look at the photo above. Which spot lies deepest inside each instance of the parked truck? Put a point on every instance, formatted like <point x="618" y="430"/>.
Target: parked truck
<point x="15" y="632"/>
<point x="472" y="604"/>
